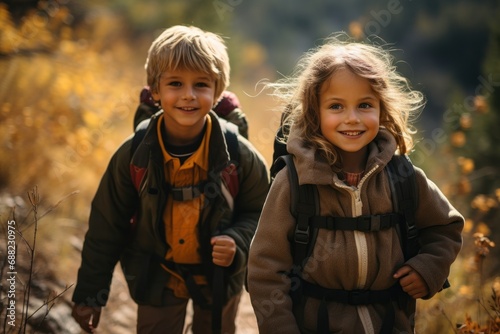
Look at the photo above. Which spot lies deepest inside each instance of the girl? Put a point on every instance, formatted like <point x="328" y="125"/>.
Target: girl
<point x="348" y="115"/>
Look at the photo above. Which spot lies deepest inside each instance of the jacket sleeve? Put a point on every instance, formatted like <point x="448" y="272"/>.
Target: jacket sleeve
<point x="440" y="227"/>
<point x="253" y="187"/>
<point x="271" y="259"/>
<point x="109" y="225"/>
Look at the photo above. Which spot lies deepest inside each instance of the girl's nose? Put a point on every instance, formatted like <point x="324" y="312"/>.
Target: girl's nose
<point x="352" y="116"/>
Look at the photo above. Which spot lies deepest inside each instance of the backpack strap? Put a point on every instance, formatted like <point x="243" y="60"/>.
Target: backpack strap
<point x="304" y="205"/>
<point x="140" y="132"/>
<point x="218" y="293"/>
<point x="403" y="184"/>
<point x="230" y="172"/>
<point x="231" y="132"/>
<point x="279" y="146"/>
<point x="137" y="173"/>
<point x="405" y="200"/>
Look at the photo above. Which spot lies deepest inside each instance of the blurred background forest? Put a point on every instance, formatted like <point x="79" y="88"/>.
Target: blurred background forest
<point x="70" y="77"/>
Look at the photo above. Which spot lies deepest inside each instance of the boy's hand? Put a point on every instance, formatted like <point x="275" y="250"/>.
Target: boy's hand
<point x="224" y="249"/>
<point x="86" y="316"/>
<point x="411" y="282"/>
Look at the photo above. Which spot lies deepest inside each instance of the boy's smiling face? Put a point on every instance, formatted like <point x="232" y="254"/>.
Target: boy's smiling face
<point x="186" y="97"/>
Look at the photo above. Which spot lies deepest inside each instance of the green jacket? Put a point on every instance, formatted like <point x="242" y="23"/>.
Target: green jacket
<point x="110" y="237"/>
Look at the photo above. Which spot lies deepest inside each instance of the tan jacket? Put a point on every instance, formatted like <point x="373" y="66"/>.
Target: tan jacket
<point x="346" y="259"/>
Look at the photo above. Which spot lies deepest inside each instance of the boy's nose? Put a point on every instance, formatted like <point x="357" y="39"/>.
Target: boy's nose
<point x="188" y="94"/>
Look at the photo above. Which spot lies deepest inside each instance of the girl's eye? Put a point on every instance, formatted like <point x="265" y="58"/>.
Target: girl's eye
<point x="365" y="105"/>
<point x="336" y="106"/>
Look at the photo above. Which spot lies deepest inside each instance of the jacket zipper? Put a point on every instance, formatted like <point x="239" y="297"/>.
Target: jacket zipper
<point x="359" y="236"/>
<point x="361" y="247"/>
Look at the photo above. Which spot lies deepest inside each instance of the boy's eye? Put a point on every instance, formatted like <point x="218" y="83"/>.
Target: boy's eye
<point x="202" y="84"/>
<point x="175" y="83"/>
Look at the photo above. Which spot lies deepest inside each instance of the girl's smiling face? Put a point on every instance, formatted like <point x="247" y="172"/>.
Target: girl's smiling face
<point x="349" y="113"/>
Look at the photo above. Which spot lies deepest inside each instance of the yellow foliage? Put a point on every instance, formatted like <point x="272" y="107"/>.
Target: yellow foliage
<point x="254" y="54"/>
<point x="356" y="30"/>
<point x="480" y="104"/>
<point x="467" y="291"/>
<point x="466" y="165"/>
<point x="91" y="119"/>
<point x="483" y="203"/>
<point x="466" y="121"/>
<point x="58" y="118"/>
<point x="464" y="186"/>
<point x="469" y="224"/>
<point x="458" y="139"/>
<point x="481" y="241"/>
<point x="496" y="289"/>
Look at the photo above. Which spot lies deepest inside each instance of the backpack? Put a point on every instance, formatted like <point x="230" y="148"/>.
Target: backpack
<point x="305" y="208"/>
<point x="236" y="122"/>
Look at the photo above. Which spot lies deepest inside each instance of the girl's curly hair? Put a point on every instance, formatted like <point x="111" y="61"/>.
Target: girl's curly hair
<point x="300" y="93"/>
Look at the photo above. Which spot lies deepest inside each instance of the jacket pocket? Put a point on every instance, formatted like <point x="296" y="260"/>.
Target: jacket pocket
<point x="145" y="277"/>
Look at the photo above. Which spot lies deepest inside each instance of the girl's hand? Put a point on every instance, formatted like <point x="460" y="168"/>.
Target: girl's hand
<point x="224" y="249"/>
<point x="411" y="282"/>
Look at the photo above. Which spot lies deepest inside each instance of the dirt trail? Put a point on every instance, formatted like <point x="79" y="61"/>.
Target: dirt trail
<point x="120" y="315"/>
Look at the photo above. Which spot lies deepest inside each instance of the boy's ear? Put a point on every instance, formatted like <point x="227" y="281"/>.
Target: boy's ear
<point x="217" y="100"/>
<point x="155" y="95"/>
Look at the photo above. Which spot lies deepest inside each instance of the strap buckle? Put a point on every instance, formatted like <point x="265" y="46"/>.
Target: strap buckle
<point x="369" y="223"/>
<point x="357" y="297"/>
<point x="375" y="223"/>
<point x="301" y="236"/>
<point x="186" y="193"/>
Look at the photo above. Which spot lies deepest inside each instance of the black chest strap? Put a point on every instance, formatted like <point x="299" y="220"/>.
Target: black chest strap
<point x="352" y="297"/>
<point x="373" y="223"/>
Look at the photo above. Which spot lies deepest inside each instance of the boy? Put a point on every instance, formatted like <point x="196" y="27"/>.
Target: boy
<point x="186" y="224"/>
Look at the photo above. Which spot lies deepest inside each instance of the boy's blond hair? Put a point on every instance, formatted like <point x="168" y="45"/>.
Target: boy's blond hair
<point x="300" y="94"/>
<point x="188" y="47"/>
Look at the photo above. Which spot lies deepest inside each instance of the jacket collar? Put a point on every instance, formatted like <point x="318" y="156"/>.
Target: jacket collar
<point x="218" y="153"/>
<point x="314" y="169"/>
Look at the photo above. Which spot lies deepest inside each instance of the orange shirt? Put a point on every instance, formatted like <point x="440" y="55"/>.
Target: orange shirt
<point x="181" y="217"/>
